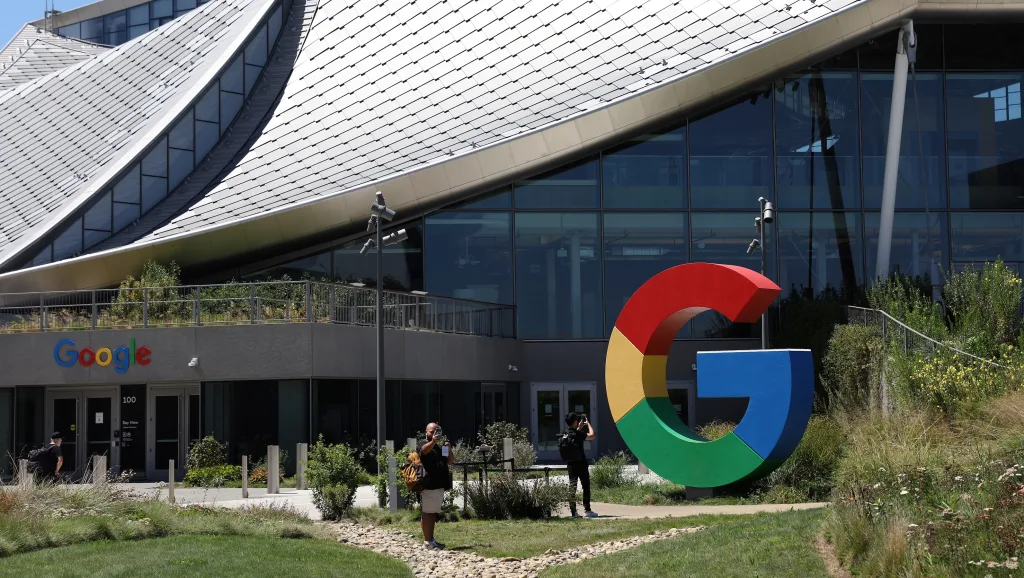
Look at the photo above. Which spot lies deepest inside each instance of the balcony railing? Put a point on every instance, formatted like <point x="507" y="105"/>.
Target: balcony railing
<point x="249" y="304"/>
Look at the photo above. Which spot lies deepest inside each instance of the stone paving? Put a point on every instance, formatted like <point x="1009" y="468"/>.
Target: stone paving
<point x="428" y="563"/>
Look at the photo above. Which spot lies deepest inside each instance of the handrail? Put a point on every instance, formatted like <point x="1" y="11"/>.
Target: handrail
<point x="251" y="303"/>
<point x="907" y="329"/>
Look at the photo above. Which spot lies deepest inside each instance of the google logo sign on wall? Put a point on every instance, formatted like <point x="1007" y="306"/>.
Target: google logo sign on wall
<point x="122" y="357"/>
<point x="778" y="383"/>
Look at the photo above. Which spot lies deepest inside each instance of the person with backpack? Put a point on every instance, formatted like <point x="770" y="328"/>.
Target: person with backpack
<point x="570" y="446"/>
<point x="45" y="462"/>
<point x="435" y="455"/>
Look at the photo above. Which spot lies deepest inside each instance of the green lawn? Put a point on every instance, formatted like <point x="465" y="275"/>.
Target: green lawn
<point x="775" y="545"/>
<point x="525" y="538"/>
<point x="200" y="556"/>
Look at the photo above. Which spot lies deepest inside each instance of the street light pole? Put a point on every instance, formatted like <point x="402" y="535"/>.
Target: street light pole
<point x="379" y="211"/>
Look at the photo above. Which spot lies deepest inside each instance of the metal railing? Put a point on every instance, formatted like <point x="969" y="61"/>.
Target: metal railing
<point x="913" y="341"/>
<point x="249" y="303"/>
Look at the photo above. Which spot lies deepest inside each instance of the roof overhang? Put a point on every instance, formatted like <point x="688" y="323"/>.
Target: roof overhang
<point x="448" y="180"/>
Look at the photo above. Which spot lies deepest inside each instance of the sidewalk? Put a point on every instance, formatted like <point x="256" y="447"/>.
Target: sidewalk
<point x="366" y="496"/>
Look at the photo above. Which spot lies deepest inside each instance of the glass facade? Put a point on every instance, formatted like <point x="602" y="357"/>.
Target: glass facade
<point x="124" y="25"/>
<point x="568" y="247"/>
<point x="172" y="158"/>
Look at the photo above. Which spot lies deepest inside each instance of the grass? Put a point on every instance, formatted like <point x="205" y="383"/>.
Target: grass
<point x="56" y="516"/>
<point x="776" y="545"/>
<point x="664" y="494"/>
<point x="205" y="556"/>
<point x="526" y="538"/>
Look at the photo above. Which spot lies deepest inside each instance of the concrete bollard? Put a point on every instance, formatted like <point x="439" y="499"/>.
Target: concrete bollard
<point x="273" y="470"/>
<point x="301" y="457"/>
<point x="24" y="478"/>
<point x="642" y="469"/>
<point x="507" y="452"/>
<point x="392" y="484"/>
<point x="245" y="477"/>
<point x="170" y="481"/>
<point x="411" y="443"/>
<point x="99" y="470"/>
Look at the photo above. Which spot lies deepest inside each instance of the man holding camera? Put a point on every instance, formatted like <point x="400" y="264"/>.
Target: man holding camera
<point x="436" y="455"/>
<point x="571" y="448"/>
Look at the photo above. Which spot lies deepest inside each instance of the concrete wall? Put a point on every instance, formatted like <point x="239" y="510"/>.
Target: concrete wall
<point x="242" y="352"/>
<point x="584" y="361"/>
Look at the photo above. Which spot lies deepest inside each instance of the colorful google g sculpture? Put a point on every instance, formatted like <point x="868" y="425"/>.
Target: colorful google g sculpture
<point x="778" y="383"/>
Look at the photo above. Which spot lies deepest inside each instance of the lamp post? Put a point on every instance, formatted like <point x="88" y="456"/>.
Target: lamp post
<point x="766" y="217"/>
<point x="379" y="211"/>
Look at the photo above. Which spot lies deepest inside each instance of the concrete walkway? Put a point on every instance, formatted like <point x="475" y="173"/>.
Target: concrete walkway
<point x="366" y="496"/>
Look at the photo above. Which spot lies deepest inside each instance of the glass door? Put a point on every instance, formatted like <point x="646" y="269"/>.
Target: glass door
<point x="173" y="428"/>
<point x="683" y="397"/>
<point x="64" y="419"/>
<point x="99" y="422"/>
<point x="550" y="403"/>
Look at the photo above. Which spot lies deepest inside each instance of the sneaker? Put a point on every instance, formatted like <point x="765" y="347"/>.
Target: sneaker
<point x="591" y="514"/>
<point x="575" y="515"/>
<point x="433" y="545"/>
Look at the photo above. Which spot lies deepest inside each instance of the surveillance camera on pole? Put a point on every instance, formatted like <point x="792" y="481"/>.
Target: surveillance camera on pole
<point x="754" y="246"/>
<point x="396" y="237"/>
<point x="765" y="217"/>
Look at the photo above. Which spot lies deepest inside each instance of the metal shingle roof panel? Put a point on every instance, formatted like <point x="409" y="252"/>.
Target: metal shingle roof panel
<point x="34" y="53"/>
<point x="62" y="129"/>
<point x="385" y="88"/>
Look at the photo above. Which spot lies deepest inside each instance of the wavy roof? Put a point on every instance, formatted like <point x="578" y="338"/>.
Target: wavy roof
<point x="383" y="89"/>
<point x="34" y="52"/>
<point x="59" y="134"/>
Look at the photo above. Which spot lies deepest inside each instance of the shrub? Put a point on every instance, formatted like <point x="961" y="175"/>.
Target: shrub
<point x="809" y="473"/>
<point x="983" y="307"/>
<point x="609" y="471"/>
<point x="494" y="435"/>
<point x="259" y="475"/>
<point x="851" y="367"/>
<point x="206" y="453"/>
<point x="715" y="430"/>
<point x="215" y="476"/>
<point x="380" y="480"/>
<point x="524" y="454"/>
<point x="507" y="497"/>
<point x="332" y="470"/>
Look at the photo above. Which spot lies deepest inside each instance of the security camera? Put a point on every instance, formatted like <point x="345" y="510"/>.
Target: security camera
<point x="769" y="212"/>
<point x="382" y="212"/>
<point x="366" y="246"/>
<point x="513" y="368"/>
<point x="380" y="199"/>
<point x="370" y="224"/>
<point x="194" y="362"/>
<point x="754" y="246"/>
<point x="396" y="237"/>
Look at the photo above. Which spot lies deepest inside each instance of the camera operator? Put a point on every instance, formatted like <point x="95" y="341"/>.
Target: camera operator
<point x="436" y="455"/>
<point x="571" y="446"/>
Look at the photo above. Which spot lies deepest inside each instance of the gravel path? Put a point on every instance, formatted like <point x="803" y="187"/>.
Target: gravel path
<point x="453" y="564"/>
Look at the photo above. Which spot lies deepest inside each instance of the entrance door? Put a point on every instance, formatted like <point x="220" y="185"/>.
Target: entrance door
<point x="86" y="419"/>
<point x="550" y="403"/>
<point x="683" y="396"/>
<point x="172" y="429"/>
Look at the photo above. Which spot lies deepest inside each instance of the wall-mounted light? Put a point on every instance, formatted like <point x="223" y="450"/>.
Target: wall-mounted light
<point x="513" y="368"/>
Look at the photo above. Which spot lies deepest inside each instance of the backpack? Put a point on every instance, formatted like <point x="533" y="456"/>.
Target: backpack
<point x="567" y="447"/>
<point x="414" y="474"/>
<point x="36" y="457"/>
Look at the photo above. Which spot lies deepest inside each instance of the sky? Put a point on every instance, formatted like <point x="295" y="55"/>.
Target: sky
<point x="17" y="13"/>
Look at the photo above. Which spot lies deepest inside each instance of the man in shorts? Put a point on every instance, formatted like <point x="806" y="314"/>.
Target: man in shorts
<point x="436" y="455"/>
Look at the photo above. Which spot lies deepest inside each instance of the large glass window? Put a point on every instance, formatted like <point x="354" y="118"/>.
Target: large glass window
<point x="986" y="141"/>
<point x="316" y="266"/>
<point x="647" y="173"/>
<point x="571" y="187"/>
<point x="731" y="156"/>
<point x="917" y="238"/>
<point x="115" y="28"/>
<point x="880" y="52"/>
<point x="979" y="237"/>
<point x="92" y="30"/>
<point x="819" y="253"/>
<point x="921" y="182"/>
<point x="816" y="142"/>
<point x="403" y="263"/>
<point x="988" y="46"/>
<point x="502" y="200"/>
<point x="469" y="256"/>
<point x="638" y="246"/>
<point x="724" y="238"/>
<point x="558" y="276"/>
<point x="336" y="410"/>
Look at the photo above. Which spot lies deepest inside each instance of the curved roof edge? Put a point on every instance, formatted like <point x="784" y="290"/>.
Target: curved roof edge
<point x="34" y="53"/>
<point x="499" y="164"/>
<point x="162" y="123"/>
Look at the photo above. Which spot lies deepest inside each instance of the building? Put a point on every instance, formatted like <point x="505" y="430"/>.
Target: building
<point x="544" y="158"/>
